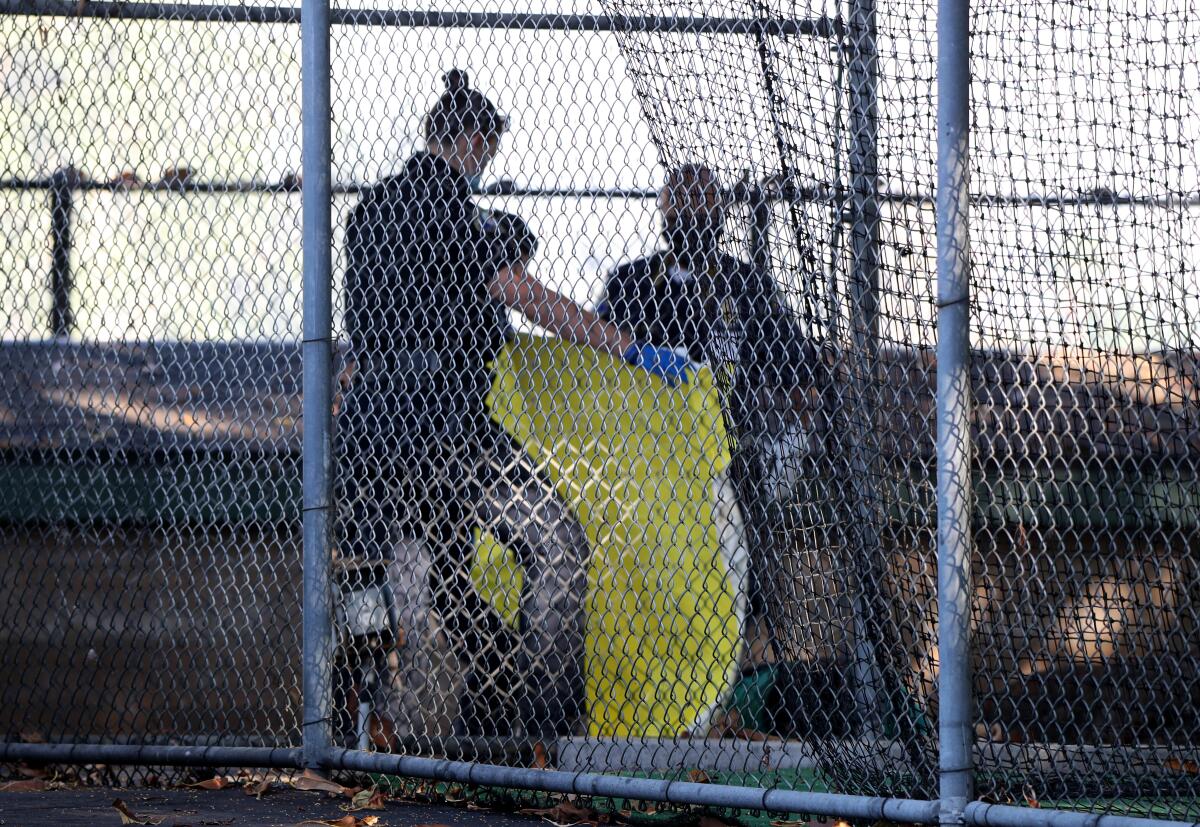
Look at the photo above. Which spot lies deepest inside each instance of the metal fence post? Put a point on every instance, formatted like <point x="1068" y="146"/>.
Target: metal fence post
<point x="863" y="288"/>
<point x="879" y="683"/>
<point x="955" y="729"/>
<point x="62" y="211"/>
<point x="318" y="385"/>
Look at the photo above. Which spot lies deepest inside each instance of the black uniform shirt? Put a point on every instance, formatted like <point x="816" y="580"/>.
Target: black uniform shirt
<point x="733" y="314"/>
<point x="418" y="268"/>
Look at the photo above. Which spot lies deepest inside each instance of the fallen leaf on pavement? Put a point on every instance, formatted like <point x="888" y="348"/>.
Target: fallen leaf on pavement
<point x="33" y="785"/>
<point x="215" y="783"/>
<point x="369" y="799"/>
<point x="309" y="780"/>
<point x="568" y="814"/>
<point x="257" y="788"/>
<point x="127" y="816"/>
<point x="344" y="821"/>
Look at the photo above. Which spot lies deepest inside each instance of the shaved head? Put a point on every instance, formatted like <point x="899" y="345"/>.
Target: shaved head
<point x="691" y="189"/>
<point x="693" y="211"/>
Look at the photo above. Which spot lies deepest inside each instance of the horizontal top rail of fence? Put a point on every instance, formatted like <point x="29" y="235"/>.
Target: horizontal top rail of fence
<point x="216" y="13"/>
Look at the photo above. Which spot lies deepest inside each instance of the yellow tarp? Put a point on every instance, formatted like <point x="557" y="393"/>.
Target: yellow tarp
<point x="635" y="459"/>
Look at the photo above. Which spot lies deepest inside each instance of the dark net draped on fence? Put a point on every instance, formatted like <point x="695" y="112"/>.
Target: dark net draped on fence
<point x="733" y="580"/>
<point x="1084" y="301"/>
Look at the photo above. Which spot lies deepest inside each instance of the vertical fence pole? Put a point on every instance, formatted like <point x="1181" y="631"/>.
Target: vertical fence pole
<point x="864" y="285"/>
<point x="62" y="211"/>
<point x="316" y="205"/>
<point x="864" y="329"/>
<point x="954" y="510"/>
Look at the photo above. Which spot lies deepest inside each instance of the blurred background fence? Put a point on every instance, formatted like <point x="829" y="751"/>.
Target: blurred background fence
<point x="150" y="400"/>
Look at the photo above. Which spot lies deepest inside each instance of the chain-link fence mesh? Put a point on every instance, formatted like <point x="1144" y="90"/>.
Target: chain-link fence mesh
<point x="150" y="313"/>
<point x="547" y="550"/>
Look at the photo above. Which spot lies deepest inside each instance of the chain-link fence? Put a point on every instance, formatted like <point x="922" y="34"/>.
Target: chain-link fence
<point x="615" y="337"/>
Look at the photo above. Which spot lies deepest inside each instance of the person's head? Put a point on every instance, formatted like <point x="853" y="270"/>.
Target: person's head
<point x="693" y="211"/>
<point x="464" y="127"/>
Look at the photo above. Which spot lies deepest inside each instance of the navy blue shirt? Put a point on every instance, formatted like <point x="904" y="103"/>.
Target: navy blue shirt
<point x="732" y="314"/>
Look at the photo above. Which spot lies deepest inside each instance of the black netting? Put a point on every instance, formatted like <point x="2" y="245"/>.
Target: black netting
<point x="1082" y="280"/>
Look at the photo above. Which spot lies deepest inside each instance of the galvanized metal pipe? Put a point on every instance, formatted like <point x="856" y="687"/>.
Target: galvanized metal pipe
<point x="644" y="789"/>
<point x="317" y="352"/>
<point x="62" y="213"/>
<point x="148" y="754"/>
<point x="955" y="702"/>
<point x="196" y="13"/>
<point x="1004" y="815"/>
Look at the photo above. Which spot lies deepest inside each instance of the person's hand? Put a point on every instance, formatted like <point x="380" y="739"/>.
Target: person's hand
<point x="511" y="237"/>
<point x="663" y="362"/>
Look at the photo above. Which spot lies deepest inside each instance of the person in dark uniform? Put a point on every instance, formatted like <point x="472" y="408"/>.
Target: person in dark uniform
<point x="716" y="309"/>
<point x="428" y="282"/>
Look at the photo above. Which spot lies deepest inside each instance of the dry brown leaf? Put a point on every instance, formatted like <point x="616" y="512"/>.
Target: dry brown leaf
<point x="344" y="821"/>
<point x="33" y="785"/>
<point x="786" y="823"/>
<point x="216" y="783"/>
<point x="383" y="733"/>
<point x="567" y="814"/>
<point x="1185" y="766"/>
<point x="258" y="788"/>
<point x="309" y="780"/>
<point x="127" y="816"/>
<point x="369" y="799"/>
<point x="541" y="758"/>
<point x="698" y="777"/>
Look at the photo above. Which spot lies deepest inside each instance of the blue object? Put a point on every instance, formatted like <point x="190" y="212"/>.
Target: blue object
<point x="660" y="361"/>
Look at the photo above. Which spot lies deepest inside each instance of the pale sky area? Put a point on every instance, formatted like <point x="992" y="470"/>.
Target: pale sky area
<point x="1067" y="99"/>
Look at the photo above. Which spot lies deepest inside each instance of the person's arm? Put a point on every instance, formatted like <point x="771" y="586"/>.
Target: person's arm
<point x="517" y="289"/>
<point x="513" y="286"/>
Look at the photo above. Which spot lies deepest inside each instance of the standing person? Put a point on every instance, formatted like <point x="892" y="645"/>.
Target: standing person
<point x="716" y="308"/>
<point x="428" y="282"/>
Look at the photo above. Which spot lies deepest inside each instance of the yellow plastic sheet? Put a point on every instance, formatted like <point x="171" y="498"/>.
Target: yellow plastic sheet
<point x="636" y="460"/>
